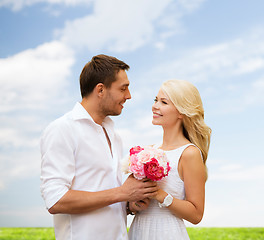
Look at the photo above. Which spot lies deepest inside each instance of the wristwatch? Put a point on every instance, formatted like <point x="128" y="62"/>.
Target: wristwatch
<point x="129" y="212"/>
<point x="167" y="201"/>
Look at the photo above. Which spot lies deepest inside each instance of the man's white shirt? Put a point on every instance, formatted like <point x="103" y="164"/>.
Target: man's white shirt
<point x="76" y="155"/>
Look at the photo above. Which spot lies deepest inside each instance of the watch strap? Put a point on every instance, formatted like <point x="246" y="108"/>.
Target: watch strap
<point x="167" y="201"/>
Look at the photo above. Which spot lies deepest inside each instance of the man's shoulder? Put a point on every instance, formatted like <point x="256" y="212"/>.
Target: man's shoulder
<point x="62" y="122"/>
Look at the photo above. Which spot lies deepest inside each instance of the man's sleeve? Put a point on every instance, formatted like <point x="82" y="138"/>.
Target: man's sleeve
<point x="57" y="163"/>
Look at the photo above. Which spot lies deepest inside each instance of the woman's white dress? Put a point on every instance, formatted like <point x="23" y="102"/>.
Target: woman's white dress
<point x="157" y="223"/>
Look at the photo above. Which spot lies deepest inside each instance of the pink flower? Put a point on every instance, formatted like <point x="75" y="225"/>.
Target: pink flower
<point x="147" y="162"/>
<point x="135" y="150"/>
<point x="145" y="156"/>
<point x="136" y="167"/>
<point x="153" y="170"/>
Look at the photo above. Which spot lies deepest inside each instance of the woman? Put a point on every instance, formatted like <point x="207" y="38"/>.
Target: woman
<point x="186" y="139"/>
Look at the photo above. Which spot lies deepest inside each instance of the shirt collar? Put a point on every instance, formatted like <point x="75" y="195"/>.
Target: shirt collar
<point x="79" y="113"/>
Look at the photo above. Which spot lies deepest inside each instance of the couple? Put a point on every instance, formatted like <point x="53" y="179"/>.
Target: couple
<point x="81" y="181"/>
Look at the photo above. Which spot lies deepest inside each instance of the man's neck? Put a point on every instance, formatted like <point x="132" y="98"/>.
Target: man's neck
<point x="92" y="109"/>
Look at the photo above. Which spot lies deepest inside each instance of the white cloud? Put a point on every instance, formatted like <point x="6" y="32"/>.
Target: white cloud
<point x="231" y="69"/>
<point x="233" y="58"/>
<point x="125" y="26"/>
<point x="248" y="65"/>
<point x="30" y="81"/>
<point x="242" y="96"/>
<point x="255" y="94"/>
<point x="11" y="136"/>
<point x="33" y="216"/>
<point x="115" y="25"/>
<point x="191" y="5"/>
<point x="17" y="5"/>
<point x="237" y="172"/>
<point x="31" y="77"/>
<point x="21" y="163"/>
<point x="230" y="214"/>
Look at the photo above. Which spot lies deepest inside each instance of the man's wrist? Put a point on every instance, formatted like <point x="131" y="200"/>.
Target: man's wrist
<point x="129" y="212"/>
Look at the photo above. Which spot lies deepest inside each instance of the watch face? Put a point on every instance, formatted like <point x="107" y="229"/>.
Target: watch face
<point x="168" y="200"/>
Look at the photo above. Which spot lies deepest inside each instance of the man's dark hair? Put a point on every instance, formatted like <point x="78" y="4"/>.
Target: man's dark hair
<point x="101" y="69"/>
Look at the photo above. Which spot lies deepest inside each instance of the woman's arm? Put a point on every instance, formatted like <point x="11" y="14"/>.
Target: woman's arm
<point x="192" y="171"/>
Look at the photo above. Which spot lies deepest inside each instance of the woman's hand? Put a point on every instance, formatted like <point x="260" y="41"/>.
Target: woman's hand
<point x="160" y="196"/>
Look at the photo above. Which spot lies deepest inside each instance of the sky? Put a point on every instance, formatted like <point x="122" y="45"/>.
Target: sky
<point x="216" y="45"/>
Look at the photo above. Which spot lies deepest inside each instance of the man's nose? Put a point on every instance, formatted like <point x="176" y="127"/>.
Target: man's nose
<point x="128" y="95"/>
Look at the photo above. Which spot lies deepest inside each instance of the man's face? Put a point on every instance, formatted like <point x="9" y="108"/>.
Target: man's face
<point x="116" y="95"/>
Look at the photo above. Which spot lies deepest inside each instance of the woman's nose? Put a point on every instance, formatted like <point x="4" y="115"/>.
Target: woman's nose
<point x="155" y="105"/>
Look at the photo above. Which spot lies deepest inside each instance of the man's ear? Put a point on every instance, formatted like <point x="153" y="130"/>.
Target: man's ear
<point x="100" y="89"/>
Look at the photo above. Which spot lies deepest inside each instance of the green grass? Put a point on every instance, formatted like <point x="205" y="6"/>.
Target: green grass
<point x="27" y="234"/>
<point x="226" y="233"/>
<point x="194" y="233"/>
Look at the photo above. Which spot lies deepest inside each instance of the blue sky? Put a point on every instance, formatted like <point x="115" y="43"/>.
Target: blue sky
<point x="217" y="45"/>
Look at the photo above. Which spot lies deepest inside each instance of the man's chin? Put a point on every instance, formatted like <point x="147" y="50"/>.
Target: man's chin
<point x="115" y="113"/>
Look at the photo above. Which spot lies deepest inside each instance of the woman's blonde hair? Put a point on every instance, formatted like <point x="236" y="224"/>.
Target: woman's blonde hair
<point x="187" y="100"/>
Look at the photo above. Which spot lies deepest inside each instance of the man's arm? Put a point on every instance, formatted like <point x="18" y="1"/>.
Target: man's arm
<point x="57" y="174"/>
<point x="74" y="202"/>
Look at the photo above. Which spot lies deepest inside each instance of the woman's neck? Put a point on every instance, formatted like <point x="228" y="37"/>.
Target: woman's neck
<point x="173" y="138"/>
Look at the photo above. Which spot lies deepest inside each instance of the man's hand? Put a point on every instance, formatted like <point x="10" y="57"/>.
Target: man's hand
<point x="139" y="205"/>
<point x="136" y="190"/>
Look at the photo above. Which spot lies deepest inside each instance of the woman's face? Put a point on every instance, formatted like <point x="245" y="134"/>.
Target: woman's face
<point x="164" y="112"/>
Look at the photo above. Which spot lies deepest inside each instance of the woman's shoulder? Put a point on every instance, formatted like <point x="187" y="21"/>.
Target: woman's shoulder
<point x="191" y="153"/>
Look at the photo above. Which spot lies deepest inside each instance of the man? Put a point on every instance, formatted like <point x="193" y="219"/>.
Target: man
<point x="80" y="171"/>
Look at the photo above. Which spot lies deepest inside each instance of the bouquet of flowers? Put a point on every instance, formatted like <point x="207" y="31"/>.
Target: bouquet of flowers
<point x="147" y="162"/>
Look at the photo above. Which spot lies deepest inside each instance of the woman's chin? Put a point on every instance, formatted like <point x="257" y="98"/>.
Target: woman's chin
<point x="154" y="122"/>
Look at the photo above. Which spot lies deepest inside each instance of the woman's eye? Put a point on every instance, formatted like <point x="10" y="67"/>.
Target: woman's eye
<point x="164" y="102"/>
